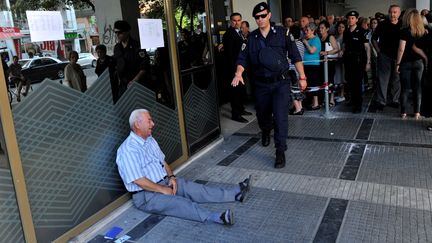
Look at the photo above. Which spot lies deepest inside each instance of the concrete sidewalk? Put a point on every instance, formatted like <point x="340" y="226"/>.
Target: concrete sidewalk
<point x="352" y="178"/>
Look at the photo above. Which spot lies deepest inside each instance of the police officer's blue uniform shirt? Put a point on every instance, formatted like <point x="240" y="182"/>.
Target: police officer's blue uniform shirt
<point x="278" y="41"/>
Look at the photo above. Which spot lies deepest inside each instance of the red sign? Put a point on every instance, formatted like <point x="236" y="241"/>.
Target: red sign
<point x="10" y="32"/>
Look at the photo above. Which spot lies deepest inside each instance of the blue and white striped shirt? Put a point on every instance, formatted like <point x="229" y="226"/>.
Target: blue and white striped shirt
<point x="137" y="158"/>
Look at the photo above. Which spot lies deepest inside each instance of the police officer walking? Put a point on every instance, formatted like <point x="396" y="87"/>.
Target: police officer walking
<point x="265" y="55"/>
<point x="356" y="59"/>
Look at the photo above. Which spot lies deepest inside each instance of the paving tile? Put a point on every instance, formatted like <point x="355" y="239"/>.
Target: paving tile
<point x="324" y="159"/>
<point x="408" y="131"/>
<point x="397" y="166"/>
<point x="270" y="216"/>
<point x="366" y="222"/>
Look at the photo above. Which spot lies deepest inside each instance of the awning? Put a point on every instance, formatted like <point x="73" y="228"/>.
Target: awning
<point x="10" y="33"/>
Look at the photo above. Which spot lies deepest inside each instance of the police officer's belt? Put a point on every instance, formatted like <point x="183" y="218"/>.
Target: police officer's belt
<point x="273" y="79"/>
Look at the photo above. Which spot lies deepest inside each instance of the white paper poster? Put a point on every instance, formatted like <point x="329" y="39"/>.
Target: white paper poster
<point x="45" y="25"/>
<point x="150" y="33"/>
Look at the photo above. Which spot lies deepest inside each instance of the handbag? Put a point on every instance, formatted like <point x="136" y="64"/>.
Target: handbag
<point x="329" y="47"/>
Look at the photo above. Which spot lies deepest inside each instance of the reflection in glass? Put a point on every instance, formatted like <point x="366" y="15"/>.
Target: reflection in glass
<point x="10" y="222"/>
<point x="160" y="78"/>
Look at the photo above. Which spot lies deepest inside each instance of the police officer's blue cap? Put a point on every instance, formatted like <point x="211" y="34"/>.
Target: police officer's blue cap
<point x="260" y="7"/>
<point x="352" y="13"/>
<point x="122" y="25"/>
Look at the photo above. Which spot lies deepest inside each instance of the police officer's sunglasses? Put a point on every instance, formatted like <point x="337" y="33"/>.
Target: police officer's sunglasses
<point x="117" y="32"/>
<point x="260" y="16"/>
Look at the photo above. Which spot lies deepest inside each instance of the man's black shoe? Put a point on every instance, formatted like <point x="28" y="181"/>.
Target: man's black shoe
<point x="394" y="104"/>
<point x="280" y="159"/>
<point x="227" y="217"/>
<point x="378" y="106"/>
<point x="239" y="119"/>
<point x="265" y="139"/>
<point x="246" y="113"/>
<point x="244" y="189"/>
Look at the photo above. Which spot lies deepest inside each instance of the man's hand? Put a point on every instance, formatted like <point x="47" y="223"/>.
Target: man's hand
<point x="166" y="190"/>
<point x="173" y="184"/>
<point x="302" y="84"/>
<point x="236" y="80"/>
<point x="368" y="66"/>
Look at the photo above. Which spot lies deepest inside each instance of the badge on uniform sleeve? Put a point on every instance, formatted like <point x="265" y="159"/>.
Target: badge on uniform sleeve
<point x="243" y="46"/>
<point x="141" y="54"/>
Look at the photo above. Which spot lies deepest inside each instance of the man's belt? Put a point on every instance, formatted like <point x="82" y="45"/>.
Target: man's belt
<point x="273" y="79"/>
<point x="135" y="192"/>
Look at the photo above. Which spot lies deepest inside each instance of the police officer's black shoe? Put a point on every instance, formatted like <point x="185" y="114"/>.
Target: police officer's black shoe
<point x="265" y="138"/>
<point x="239" y="119"/>
<point x="280" y="159"/>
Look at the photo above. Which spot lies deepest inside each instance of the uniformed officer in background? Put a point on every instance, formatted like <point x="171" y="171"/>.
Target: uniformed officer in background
<point x="265" y="56"/>
<point x="356" y="59"/>
<point x="232" y="43"/>
<point x="132" y="62"/>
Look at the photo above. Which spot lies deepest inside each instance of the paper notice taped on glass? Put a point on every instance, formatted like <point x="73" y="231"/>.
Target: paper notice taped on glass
<point x="45" y="25"/>
<point x="150" y="33"/>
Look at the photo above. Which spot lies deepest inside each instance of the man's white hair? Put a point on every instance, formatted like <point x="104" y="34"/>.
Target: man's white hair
<point x="135" y="116"/>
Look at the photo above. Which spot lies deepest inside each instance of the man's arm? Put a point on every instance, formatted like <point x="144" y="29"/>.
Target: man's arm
<point x="302" y="81"/>
<point x="238" y="78"/>
<point x="368" y="56"/>
<point x="148" y="185"/>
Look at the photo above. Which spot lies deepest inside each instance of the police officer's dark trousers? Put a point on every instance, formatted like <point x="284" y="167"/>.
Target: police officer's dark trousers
<point x="272" y="104"/>
<point x="354" y="68"/>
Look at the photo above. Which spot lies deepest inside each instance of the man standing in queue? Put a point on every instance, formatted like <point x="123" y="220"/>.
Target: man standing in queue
<point x="265" y="56"/>
<point x="356" y="59"/>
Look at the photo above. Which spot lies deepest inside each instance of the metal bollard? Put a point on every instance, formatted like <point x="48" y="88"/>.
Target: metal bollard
<point x="326" y="89"/>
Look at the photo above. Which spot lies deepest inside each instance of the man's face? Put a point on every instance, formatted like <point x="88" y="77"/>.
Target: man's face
<point x="144" y="125"/>
<point x="244" y="29"/>
<point x="330" y="19"/>
<point x="236" y="21"/>
<point x="101" y="53"/>
<point x="304" y="21"/>
<point x="121" y="35"/>
<point x="352" y="20"/>
<point x="289" y="22"/>
<point x="394" y="13"/>
<point x="263" y="19"/>
<point x="15" y="60"/>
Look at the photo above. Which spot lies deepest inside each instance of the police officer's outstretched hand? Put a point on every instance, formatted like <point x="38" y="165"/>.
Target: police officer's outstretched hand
<point x="368" y="67"/>
<point x="237" y="79"/>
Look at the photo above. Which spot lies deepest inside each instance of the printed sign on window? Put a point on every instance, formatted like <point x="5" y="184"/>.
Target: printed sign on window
<point x="150" y="33"/>
<point x="45" y="25"/>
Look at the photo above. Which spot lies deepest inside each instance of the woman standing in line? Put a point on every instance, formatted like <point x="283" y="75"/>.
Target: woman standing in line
<point x="339" y="78"/>
<point x="74" y="75"/>
<point x="408" y="63"/>
<point x="312" y="62"/>
<point x="329" y="48"/>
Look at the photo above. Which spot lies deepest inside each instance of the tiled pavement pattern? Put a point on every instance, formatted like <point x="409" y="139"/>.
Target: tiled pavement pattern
<point x="388" y="198"/>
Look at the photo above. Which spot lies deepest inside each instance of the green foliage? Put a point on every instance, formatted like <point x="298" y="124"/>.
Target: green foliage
<point x="186" y="11"/>
<point x="20" y="6"/>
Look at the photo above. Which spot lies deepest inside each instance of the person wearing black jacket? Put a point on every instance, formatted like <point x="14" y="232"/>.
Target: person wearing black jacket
<point x="132" y="62"/>
<point x="103" y="62"/>
<point x="233" y="42"/>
